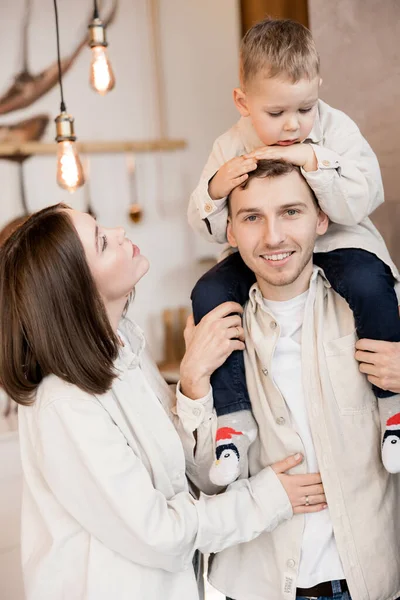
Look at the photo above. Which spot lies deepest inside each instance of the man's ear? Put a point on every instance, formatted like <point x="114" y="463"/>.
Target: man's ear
<point x="229" y="234"/>
<point x="239" y="98"/>
<point x="322" y="223"/>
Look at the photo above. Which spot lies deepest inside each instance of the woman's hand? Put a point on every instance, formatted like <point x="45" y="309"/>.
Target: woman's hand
<point x="305" y="492"/>
<point x="208" y="345"/>
<point x="380" y="361"/>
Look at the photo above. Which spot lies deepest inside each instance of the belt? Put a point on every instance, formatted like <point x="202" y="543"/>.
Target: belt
<point x="322" y="589"/>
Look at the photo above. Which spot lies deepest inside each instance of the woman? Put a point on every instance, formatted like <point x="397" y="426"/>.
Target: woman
<point x="106" y="509"/>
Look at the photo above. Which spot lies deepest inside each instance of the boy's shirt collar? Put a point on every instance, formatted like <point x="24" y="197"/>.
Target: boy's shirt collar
<point x="251" y="141"/>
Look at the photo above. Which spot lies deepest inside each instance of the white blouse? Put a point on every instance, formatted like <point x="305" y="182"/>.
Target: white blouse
<point x="107" y="511"/>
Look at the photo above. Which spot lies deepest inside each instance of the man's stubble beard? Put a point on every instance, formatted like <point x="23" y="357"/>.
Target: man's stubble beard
<point x="281" y="280"/>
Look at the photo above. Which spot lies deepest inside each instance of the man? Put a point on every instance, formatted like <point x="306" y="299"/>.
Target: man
<point x="307" y="396"/>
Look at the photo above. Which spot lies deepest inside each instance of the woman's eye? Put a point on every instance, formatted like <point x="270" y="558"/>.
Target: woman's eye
<point x="103" y="243"/>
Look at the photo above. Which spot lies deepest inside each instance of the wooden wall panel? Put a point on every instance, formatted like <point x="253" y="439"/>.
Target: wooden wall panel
<point x="256" y="10"/>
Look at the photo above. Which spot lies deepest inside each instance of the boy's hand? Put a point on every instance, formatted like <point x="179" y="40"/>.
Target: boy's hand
<point x="230" y="175"/>
<point x="301" y="155"/>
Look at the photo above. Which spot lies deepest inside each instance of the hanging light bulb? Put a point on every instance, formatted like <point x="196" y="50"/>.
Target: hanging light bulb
<point x="70" y="174"/>
<point x="102" y="77"/>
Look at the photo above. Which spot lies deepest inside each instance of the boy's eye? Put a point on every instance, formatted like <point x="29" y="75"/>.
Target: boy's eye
<point x="276" y="114"/>
<point x="305" y="110"/>
<point x="103" y="243"/>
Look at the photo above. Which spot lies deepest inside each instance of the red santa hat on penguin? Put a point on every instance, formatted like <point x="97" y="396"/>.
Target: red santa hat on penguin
<point x="224" y="435"/>
<point x="393" y="422"/>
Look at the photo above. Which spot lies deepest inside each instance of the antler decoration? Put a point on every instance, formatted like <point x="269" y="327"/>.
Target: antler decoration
<point x="28" y="88"/>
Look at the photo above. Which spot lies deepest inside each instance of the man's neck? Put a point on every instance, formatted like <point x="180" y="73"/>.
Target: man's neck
<point x="282" y="293"/>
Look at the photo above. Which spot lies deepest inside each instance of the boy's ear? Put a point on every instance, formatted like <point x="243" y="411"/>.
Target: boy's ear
<point x="229" y="234"/>
<point x="239" y="98"/>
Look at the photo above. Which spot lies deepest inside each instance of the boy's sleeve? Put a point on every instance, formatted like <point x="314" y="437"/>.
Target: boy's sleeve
<point x="348" y="182"/>
<point x="207" y="216"/>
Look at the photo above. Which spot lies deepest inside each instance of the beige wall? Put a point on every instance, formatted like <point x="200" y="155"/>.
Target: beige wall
<point x="359" y="44"/>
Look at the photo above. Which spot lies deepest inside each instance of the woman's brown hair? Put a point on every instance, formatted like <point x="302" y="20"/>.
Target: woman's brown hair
<point x="52" y="318"/>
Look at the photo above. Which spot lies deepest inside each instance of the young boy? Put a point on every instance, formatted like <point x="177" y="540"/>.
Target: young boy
<point x="283" y="118"/>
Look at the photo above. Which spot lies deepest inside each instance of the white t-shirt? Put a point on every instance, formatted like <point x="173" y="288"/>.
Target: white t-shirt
<point x="319" y="559"/>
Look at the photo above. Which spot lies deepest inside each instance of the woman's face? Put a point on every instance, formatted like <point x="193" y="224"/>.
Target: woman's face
<point x="114" y="261"/>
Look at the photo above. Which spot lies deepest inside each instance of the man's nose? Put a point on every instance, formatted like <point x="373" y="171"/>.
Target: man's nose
<point x="273" y="234"/>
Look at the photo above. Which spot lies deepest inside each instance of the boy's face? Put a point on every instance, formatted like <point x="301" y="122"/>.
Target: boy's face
<point x="282" y="112"/>
<point x="274" y="223"/>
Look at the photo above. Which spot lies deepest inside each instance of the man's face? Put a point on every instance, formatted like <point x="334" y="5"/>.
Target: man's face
<point x="281" y="112"/>
<point x="274" y="223"/>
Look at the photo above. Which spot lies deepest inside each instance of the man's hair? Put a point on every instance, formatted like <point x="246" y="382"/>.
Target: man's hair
<point x="278" y="47"/>
<point x="268" y="169"/>
<point x="52" y="318"/>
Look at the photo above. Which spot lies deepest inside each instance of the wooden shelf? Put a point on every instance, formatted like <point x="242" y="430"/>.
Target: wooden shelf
<point x="103" y="147"/>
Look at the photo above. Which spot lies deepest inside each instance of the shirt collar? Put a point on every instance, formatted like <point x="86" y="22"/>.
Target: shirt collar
<point x="130" y="354"/>
<point x="315" y="135"/>
<point x="256" y="297"/>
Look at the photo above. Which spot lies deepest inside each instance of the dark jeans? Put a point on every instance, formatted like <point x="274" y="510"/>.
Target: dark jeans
<point x="361" y="278"/>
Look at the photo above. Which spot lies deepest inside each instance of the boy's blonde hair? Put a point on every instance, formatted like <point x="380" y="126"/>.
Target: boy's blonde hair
<point x="278" y="47"/>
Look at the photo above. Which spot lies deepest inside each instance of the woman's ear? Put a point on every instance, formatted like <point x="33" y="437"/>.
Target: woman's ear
<point x="239" y="98"/>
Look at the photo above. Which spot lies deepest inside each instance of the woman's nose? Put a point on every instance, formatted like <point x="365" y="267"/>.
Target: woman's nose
<point x="120" y="231"/>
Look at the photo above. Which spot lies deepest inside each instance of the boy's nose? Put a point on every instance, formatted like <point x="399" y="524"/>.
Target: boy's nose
<point x="292" y="124"/>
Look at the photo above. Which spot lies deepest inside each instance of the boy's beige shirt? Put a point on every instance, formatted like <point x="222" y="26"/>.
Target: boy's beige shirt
<point x="363" y="499"/>
<point x="347" y="183"/>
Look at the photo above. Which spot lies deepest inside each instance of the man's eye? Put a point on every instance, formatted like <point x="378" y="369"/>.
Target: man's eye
<point x="292" y="212"/>
<point x="251" y="218"/>
<point x="103" y="243"/>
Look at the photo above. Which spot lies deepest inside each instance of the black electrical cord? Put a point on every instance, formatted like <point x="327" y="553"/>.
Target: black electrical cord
<point x="96" y="10"/>
<point x="63" y="108"/>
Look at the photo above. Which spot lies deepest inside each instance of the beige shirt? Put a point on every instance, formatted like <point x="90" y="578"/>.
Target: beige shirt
<point x="364" y="500"/>
<point x="347" y="183"/>
<point x="107" y="512"/>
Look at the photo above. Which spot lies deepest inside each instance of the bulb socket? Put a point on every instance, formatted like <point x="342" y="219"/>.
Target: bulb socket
<point x="97" y="34"/>
<point x="65" y="128"/>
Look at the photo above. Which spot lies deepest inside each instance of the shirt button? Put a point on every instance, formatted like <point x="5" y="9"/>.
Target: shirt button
<point x="197" y="412"/>
<point x="326" y="163"/>
<point x="291" y="563"/>
<point x="265" y="371"/>
<point x="280" y="421"/>
<point x="208" y="207"/>
<point x="273" y="324"/>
